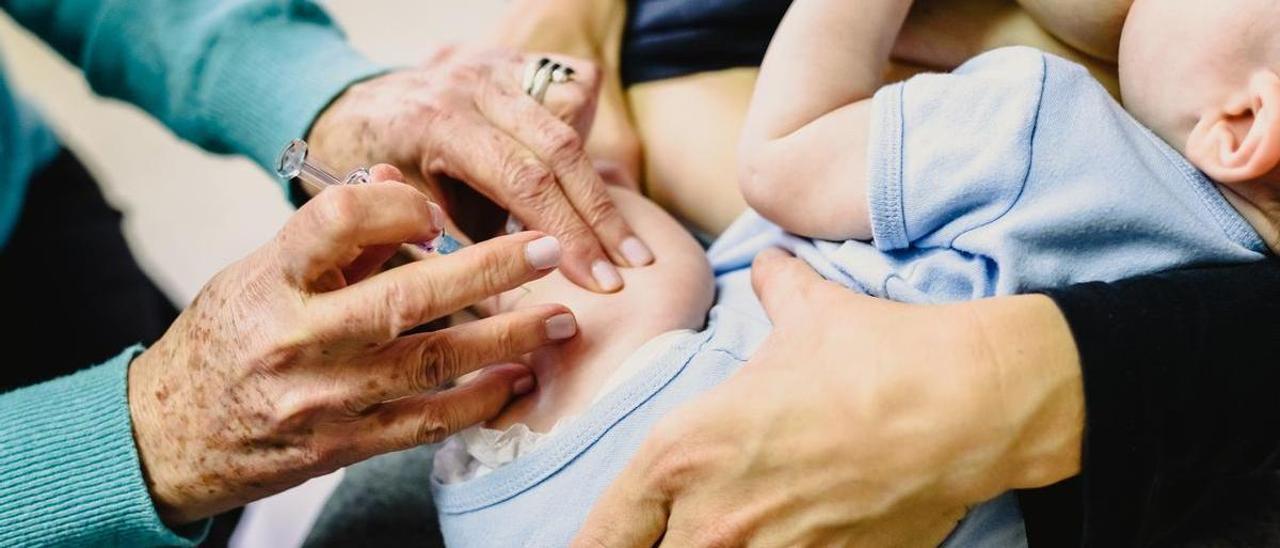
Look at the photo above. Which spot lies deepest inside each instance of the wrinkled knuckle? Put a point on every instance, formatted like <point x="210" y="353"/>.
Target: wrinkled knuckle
<point x="352" y="407"/>
<point x="493" y="273"/>
<point x="429" y="110"/>
<point x="578" y="240"/>
<point x="507" y="342"/>
<point x="468" y="71"/>
<point x="676" y="465"/>
<point x="437" y="359"/>
<point x="312" y="457"/>
<point x="432" y="426"/>
<point x="531" y="181"/>
<point x="598" y="212"/>
<point x="397" y="317"/>
<point x="290" y="414"/>
<point x="562" y="143"/>
<point x="338" y="212"/>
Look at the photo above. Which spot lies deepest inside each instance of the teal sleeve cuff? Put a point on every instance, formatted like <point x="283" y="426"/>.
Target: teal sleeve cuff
<point x="270" y="86"/>
<point x="69" y="469"/>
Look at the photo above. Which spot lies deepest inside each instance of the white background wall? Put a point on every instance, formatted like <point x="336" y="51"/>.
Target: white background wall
<point x="189" y="213"/>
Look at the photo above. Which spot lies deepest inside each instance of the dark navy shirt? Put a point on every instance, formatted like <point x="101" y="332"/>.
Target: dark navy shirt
<point x="670" y="38"/>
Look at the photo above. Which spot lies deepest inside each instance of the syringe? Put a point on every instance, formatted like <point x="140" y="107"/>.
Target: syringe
<point x="294" y="163"/>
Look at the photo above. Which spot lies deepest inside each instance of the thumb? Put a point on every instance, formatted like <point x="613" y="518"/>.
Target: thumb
<point x="784" y="284"/>
<point x="629" y="513"/>
<point x="385" y="172"/>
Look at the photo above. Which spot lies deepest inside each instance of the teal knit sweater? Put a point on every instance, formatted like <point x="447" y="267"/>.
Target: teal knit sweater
<point x="233" y="76"/>
<point x="69" y="471"/>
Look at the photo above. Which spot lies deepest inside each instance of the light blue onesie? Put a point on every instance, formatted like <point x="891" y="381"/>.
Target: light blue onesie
<point x="1013" y="173"/>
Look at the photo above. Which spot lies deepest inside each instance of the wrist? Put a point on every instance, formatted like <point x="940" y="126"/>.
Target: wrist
<point x="147" y="415"/>
<point x="1034" y="363"/>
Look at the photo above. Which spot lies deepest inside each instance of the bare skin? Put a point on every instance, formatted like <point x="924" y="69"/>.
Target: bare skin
<point x="948" y="406"/>
<point x="291" y="363"/>
<point x="673" y="293"/>
<point x="689" y="168"/>
<point x="461" y="116"/>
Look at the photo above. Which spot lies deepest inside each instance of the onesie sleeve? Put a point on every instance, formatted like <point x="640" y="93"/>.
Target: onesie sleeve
<point x="1182" y="427"/>
<point x="951" y="152"/>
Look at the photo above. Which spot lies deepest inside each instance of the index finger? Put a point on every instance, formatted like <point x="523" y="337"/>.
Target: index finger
<point x="385" y="305"/>
<point x="562" y="149"/>
<point x="505" y="171"/>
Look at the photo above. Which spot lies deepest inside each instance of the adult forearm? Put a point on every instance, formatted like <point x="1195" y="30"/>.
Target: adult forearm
<point x="69" y="472"/>
<point x="589" y="29"/>
<point x="1180" y="375"/>
<point x="241" y="76"/>
<point x="1029" y="349"/>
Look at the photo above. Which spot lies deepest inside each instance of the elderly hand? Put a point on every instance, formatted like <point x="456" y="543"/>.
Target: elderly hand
<point x="291" y="363"/>
<point x="859" y="422"/>
<point x="588" y="29"/>
<point x="464" y="116"/>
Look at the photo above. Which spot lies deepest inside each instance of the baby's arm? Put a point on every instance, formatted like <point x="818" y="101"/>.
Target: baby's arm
<point x="803" y="151"/>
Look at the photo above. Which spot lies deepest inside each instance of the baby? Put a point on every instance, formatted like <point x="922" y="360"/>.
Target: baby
<point x="1015" y="172"/>
<point x="530" y="476"/>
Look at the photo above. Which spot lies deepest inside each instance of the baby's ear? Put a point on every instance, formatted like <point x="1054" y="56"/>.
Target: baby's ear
<point x="1240" y="141"/>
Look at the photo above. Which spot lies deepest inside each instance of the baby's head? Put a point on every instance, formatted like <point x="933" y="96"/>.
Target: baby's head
<point x="1205" y="76"/>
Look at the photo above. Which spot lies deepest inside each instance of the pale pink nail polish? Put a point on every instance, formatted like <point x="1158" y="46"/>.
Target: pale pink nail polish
<point x="606" y="275"/>
<point x="561" y="326"/>
<point x="636" y="253"/>
<point x="543" y="253"/>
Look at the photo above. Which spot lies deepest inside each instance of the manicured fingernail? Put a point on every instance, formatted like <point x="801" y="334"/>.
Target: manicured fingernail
<point x="636" y="252"/>
<point x="543" y="253"/>
<point x="606" y="275"/>
<point x="437" y="216"/>
<point x="561" y="326"/>
<point x="523" y="385"/>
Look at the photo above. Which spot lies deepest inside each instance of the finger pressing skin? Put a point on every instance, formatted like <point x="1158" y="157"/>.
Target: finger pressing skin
<point x="630" y="513"/>
<point x="423" y="419"/>
<point x="383" y="306"/>
<point x="505" y="171"/>
<point x="334" y="228"/>
<point x="560" y="148"/>
<point x="421" y="363"/>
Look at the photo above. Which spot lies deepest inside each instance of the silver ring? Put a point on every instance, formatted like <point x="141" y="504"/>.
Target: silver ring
<point x="541" y="73"/>
<point x="530" y="71"/>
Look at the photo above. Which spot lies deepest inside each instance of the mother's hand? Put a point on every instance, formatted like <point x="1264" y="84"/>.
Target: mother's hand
<point x="464" y="116"/>
<point x="292" y="363"/>
<point x="859" y="421"/>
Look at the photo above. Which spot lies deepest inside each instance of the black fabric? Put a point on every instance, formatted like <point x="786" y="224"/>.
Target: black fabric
<point x="1181" y="372"/>
<point x="67" y="275"/>
<point x="671" y="38"/>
